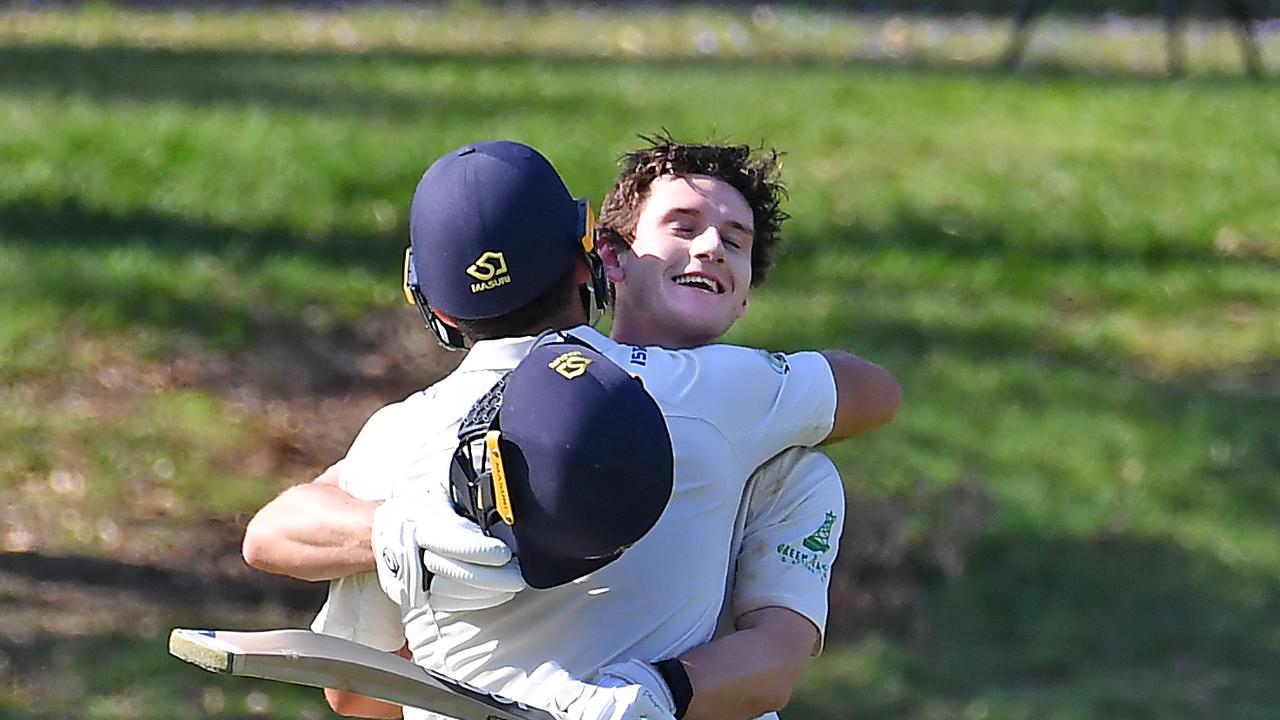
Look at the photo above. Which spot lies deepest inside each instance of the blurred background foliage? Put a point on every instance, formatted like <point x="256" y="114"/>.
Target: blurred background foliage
<point x="998" y="8"/>
<point x="1074" y="269"/>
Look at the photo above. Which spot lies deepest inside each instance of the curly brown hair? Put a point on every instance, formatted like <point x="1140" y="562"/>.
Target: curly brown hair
<point x="752" y="172"/>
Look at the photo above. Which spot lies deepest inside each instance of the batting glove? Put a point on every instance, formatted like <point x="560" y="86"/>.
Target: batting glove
<point x="613" y="696"/>
<point x="632" y="690"/>
<point x="395" y="551"/>
<point x="428" y="555"/>
<point x="472" y="570"/>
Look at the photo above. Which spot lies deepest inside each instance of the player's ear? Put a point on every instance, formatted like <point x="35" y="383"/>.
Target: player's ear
<point x="444" y="318"/>
<point x="610" y="255"/>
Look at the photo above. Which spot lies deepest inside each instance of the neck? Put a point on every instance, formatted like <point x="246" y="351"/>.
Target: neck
<point x="634" y="329"/>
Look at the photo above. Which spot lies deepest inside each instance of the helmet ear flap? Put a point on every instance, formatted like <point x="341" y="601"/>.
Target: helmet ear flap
<point x="597" y="294"/>
<point x="411" y="288"/>
<point x="449" y="337"/>
<point x="586" y="225"/>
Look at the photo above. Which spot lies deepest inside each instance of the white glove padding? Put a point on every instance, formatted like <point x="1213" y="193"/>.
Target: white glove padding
<point x="420" y="538"/>
<point x="627" y="702"/>
<point x="609" y="697"/>
<point x="632" y="690"/>
<point x="450" y="595"/>
<point x="397" y="555"/>
<point x="472" y="570"/>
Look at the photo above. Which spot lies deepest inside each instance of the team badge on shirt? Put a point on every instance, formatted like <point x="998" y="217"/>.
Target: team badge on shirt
<point x="820" y="540"/>
<point x="813" y="548"/>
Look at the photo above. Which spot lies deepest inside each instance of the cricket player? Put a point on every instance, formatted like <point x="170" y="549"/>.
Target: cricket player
<point x="698" y="208"/>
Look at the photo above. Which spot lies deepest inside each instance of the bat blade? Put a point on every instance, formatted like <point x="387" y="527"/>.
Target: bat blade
<point x="302" y="657"/>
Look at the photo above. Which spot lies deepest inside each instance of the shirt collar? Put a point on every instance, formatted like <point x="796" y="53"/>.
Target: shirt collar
<point x="590" y="336"/>
<point x="496" y="354"/>
<point x="506" y="353"/>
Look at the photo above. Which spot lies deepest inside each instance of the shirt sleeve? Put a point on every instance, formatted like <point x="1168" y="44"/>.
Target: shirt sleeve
<point x="358" y="610"/>
<point x="762" y="402"/>
<point x="376" y="449"/>
<point x="795" y="515"/>
<point x="394" y="449"/>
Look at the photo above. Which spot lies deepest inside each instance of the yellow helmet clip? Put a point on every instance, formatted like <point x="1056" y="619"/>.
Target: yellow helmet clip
<point x="501" y="496"/>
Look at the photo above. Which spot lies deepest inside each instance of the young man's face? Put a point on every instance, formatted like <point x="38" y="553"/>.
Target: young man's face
<point x="687" y="275"/>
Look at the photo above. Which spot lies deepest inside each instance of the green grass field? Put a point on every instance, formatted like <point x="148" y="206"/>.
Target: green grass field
<point x="1074" y="270"/>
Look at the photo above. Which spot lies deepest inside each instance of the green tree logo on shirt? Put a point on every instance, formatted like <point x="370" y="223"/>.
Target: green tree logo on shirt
<point x="820" y="540"/>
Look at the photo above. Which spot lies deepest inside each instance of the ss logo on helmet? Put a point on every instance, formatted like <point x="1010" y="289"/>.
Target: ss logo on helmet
<point x="571" y="364"/>
<point x="490" y="269"/>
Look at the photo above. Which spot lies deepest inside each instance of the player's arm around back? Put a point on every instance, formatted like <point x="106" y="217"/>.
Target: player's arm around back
<point x="745" y="674"/>
<point x="794" y="517"/>
<point x="313" y="531"/>
<point x="322" y="530"/>
<point x="867" y="395"/>
<point x="753" y="670"/>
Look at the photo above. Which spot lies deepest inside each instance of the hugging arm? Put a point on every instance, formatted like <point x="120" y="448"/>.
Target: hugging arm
<point x="320" y="530"/>
<point x="312" y="531"/>
<point x="778" y="601"/>
<point x="377" y="510"/>
<point x="778" y="594"/>
<point x="797" y="399"/>
<point x="867" y="395"/>
<point x="752" y="670"/>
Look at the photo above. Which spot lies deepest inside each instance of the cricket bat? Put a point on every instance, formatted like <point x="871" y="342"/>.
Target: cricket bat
<point x="302" y="657"/>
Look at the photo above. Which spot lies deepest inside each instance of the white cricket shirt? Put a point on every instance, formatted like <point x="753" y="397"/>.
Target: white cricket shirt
<point x="786" y="538"/>
<point x="403" y="443"/>
<point x="728" y="409"/>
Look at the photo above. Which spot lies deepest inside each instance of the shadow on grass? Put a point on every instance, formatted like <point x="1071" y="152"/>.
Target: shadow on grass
<point x="323" y="83"/>
<point x="170" y="585"/>
<point x="1206" y="447"/>
<point x="68" y="223"/>
<point x="1208" y="455"/>
<point x="832" y="262"/>
<point x="1205" y="443"/>
<point x="71" y="225"/>
<point x="1116" y="626"/>
<point x="53" y="676"/>
<point x="67" y="242"/>
<point x="962" y="236"/>
<point x="1113" y="600"/>
<point x="328" y="82"/>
